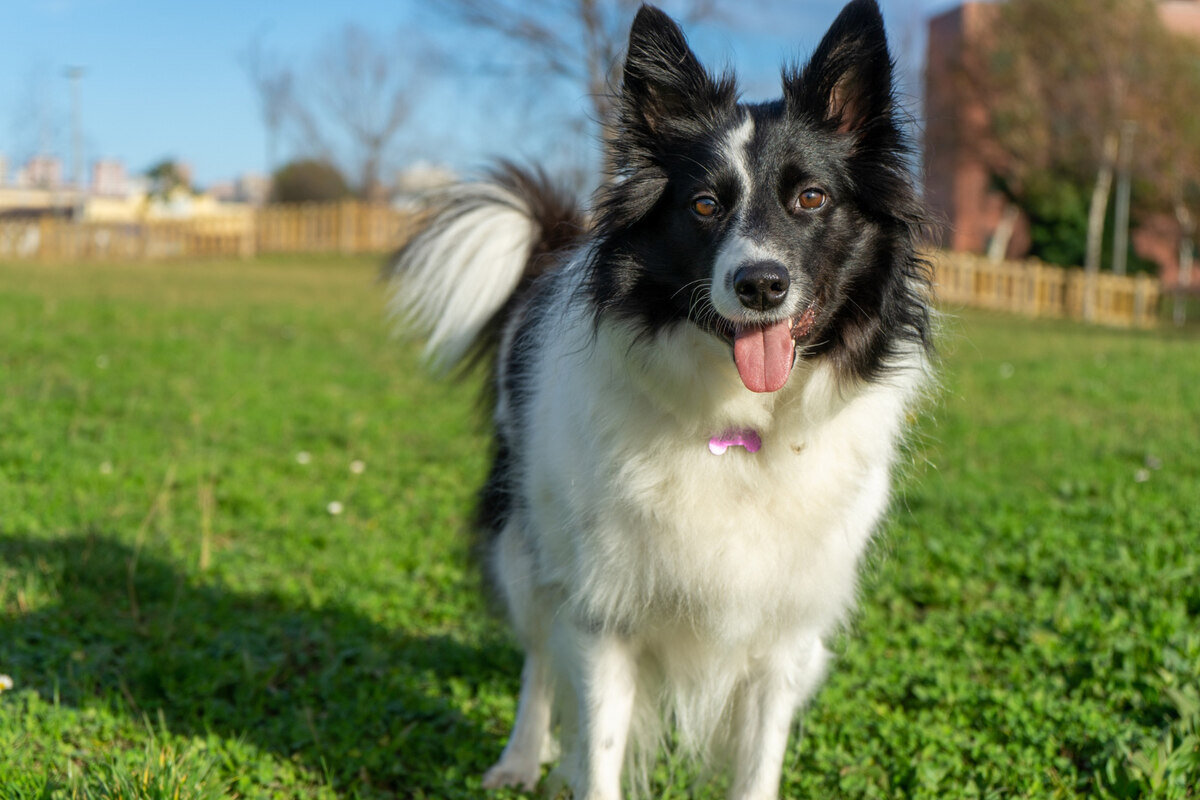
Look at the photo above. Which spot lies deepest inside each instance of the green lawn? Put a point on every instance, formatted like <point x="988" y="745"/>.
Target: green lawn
<point x="232" y="558"/>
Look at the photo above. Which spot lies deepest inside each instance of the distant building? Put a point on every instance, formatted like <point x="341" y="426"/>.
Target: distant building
<point x="109" y="178"/>
<point x="114" y="195"/>
<point x="253" y="188"/>
<point x="3" y="170"/>
<point x="958" y="184"/>
<point x="223" y="191"/>
<point x="250" y="188"/>
<point x="41" y="172"/>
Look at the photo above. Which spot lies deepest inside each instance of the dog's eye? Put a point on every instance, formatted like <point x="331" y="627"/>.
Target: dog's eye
<point x="809" y="200"/>
<point x="705" y="206"/>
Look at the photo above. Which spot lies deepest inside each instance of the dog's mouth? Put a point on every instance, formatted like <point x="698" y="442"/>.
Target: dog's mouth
<point x="764" y="353"/>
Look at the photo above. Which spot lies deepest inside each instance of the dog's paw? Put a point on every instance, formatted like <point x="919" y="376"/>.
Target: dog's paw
<point x="513" y="775"/>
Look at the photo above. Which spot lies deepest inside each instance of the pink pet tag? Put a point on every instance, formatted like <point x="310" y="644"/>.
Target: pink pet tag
<point x="743" y="437"/>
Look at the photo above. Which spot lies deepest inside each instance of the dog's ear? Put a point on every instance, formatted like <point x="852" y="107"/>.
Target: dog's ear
<point x="664" y="84"/>
<point x="848" y="80"/>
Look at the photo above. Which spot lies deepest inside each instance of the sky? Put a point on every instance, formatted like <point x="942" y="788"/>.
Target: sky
<point x="163" y="79"/>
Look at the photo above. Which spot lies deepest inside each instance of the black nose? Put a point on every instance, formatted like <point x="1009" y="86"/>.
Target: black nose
<point x="761" y="285"/>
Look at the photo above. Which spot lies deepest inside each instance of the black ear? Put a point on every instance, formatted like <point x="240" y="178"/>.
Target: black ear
<point x="664" y="83"/>
<point x="848" y="80"/>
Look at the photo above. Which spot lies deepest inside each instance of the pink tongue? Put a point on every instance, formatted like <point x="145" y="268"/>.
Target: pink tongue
<point x="764" y="356"/>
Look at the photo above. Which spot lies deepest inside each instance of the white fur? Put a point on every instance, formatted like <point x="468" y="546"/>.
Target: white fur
<point x="737" y="149"/>
<point x="461" y="274"/>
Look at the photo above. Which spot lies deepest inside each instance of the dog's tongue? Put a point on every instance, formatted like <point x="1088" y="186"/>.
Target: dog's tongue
<point x="764" y="356"/>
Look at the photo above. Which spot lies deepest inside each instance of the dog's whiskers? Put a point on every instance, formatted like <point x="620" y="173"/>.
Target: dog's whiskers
<point x="698" y="283"/>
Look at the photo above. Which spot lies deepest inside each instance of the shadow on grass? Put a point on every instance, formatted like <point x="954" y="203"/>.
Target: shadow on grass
<point x="337" y="692"/>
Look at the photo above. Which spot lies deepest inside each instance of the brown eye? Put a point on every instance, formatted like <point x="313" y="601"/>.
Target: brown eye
<point x="810" y="200"/>
<point x="705" y="206"/>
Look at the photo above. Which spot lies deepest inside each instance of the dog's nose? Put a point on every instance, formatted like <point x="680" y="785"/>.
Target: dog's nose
<point x="761" y="285"/>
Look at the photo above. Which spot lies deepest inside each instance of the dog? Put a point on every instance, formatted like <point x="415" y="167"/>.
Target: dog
<point x="699" y="388"/>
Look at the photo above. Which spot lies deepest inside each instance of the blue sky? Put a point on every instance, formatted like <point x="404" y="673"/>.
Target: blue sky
<point x="163" y="80"/>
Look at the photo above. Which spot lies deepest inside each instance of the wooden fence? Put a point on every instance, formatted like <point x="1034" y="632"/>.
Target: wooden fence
<point x="965" y="279"/>
<point x="347" y="227"/>
<point x="1041" y="290"/>
<point x="335" y="228"/>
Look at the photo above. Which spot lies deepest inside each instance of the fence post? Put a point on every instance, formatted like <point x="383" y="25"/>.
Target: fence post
<point x="249" y="234"/>
<point x="1035" y="287"/>
<point x="346" y="225"/>
<point x="1142" y="287"/>
<point x="43" y="242"/>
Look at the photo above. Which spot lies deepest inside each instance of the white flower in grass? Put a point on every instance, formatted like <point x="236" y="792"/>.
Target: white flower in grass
<point x="1007" y="370"/>
<point x="357" y="467"/>
<point x="6" y="683"/>
<point x="106" y="468"/>
<point x="334" y="508"/>
<point x="303" y="457"/>
<point x="1141" y="476"/>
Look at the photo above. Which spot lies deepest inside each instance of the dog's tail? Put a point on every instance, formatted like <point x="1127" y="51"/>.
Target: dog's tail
<point x="480" y="247"/>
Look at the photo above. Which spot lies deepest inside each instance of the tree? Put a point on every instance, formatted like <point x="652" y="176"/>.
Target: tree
<point x="273" y="85"/>
<point x="38" y="121"/>
<point x="1172" y="144"/>
<point x="1061" y="78"/>
<point x="348" y="107"/>
<point x="308" y="181"/>
<point x="580" y="41"/>
<point x="168" y="177"/>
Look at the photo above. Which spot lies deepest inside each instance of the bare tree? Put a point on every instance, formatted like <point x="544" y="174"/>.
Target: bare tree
<point x="363" y="91"/>
<point x="349" y="106"/>
<point x="1172" y="144"/>
<point x="39" y="120"/>
<point x="580" y="41"/>
<point x="1057" y="74"/>
<point x="273" y="85"/>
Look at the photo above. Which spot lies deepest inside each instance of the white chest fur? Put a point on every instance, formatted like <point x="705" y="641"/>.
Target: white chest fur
<point x="643" y="528"/>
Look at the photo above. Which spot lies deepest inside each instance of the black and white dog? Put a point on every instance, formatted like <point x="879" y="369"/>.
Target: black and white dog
<point x="699" y="392"/>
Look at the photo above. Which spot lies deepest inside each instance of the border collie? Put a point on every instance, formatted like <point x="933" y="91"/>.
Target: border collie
<point x="698" y="391"/>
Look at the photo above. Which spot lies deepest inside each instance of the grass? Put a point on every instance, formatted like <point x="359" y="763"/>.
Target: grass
<point x="183" y="614"/>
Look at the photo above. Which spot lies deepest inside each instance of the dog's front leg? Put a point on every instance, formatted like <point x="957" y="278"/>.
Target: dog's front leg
<point x="521" y="763"/>
<point x="603" y="670"/>
<point x="765" y="706"/>
<point x="514" y="563"/>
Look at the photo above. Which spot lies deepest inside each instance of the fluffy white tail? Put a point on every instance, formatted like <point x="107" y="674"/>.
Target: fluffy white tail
<point x="481" y="244"/>
<point x="452" y="278"/>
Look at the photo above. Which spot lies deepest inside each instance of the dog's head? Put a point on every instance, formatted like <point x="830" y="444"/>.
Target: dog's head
<point x="768" y="225"/>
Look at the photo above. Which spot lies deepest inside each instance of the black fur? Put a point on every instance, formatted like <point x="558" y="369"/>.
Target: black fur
<point x="494" y="503"/>
<point x="836" y="126"/>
